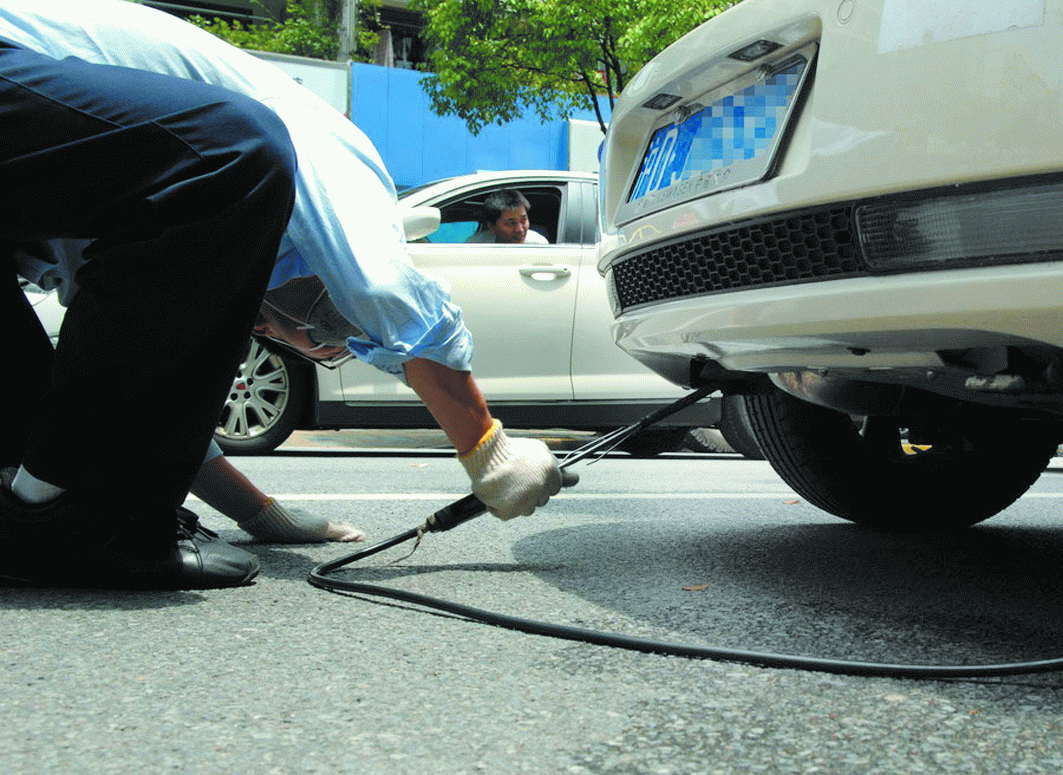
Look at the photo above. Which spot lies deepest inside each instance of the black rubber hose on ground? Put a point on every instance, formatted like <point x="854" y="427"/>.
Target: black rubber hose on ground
<point x="470" y="506"/>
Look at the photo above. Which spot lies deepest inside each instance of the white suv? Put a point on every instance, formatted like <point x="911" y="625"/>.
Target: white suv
<point x="852" y="214"/>
<point x="540" y="322"/>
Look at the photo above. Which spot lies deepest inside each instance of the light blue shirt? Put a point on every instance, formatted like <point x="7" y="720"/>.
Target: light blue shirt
<point x="346" y="227"/>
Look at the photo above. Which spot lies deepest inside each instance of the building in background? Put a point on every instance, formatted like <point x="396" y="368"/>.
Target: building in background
<point x="400" y="42"/>
<point x="244" y="11"/>
<point x="386" y="100"/>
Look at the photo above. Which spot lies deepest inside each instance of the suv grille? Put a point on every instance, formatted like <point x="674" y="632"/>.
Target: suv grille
<point x="797" y="248"/>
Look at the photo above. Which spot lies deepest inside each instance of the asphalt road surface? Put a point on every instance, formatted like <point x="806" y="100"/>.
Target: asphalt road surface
<point x="281" y="677"/>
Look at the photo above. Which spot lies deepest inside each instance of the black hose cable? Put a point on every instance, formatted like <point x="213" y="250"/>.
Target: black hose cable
<point x="470" y="506"/>
<point x="318" y="577"/>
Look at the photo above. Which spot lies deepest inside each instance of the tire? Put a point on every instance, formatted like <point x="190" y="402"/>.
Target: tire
<point x="736" y="429"/>
<point x="267" y="402"/>
<point x="708" y="440"/>
<point x="654" y="441"/>
<point x="977" y="463"/>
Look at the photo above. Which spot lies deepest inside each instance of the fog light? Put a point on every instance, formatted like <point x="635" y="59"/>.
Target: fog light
<point x="1020" y="225"/>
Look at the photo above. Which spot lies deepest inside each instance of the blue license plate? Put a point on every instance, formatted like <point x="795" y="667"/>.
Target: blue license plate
<point x="730" y="142"/>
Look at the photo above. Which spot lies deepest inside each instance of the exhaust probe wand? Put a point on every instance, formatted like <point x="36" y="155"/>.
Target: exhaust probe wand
<point x="471" y="506"/>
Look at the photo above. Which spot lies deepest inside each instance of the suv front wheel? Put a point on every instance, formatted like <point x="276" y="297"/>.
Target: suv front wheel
<point x="886" y="473"/>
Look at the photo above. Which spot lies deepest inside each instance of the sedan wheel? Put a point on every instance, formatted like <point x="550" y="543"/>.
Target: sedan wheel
<point x="266" y="403"/>
<point x="706" y="440"/>
<point x="736" y="428"/>
<point x="951" y="472"/>
<point x="651" y="442"/>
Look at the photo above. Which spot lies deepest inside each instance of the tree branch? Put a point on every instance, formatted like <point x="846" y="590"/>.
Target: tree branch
<point x="594" y="100"/>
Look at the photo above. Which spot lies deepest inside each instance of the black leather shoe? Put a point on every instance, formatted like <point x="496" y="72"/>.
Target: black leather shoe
<point x="66" y="543"/>
<point x="197" y="559"/>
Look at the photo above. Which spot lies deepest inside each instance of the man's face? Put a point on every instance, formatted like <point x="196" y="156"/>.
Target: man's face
<point x="512" y="227"/>
<point x="274" y="325"/>
<point x="282" y="317"/>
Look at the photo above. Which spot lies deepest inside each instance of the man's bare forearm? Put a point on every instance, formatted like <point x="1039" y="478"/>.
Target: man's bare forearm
<point x="454" y="400"/>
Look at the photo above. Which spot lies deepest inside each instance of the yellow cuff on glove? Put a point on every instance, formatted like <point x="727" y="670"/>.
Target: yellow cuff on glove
<point x="511" y="476"/>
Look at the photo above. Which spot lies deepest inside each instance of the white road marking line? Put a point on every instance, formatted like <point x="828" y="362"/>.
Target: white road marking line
<point x="414" y="496"/>
<point x="618" y="496"/>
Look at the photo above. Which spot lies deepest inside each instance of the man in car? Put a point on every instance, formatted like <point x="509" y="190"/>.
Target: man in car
<point x="341" y="281"/>
<point x="505" y="220"/>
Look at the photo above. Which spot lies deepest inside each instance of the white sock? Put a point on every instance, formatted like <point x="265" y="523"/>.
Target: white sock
<point x="30" y="489"/>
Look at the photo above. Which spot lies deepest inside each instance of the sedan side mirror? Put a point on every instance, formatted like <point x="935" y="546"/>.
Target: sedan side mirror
<point x="419" y="222"/>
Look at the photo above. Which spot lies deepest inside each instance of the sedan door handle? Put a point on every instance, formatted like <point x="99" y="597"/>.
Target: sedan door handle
<point x="538" y="272"/>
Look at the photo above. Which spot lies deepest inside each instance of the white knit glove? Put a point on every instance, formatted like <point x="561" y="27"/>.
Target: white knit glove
<point x="511" y="476"/>
<point x="276" y="524"/>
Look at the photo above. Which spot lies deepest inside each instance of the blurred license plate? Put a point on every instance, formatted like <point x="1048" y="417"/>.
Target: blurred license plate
<point x="730" y="142"/>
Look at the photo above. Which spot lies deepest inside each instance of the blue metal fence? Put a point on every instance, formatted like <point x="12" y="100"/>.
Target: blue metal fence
<point x="391" y="107"/>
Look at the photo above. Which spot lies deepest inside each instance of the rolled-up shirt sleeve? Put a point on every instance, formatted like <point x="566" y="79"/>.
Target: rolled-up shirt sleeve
<point x="346" y="229"/>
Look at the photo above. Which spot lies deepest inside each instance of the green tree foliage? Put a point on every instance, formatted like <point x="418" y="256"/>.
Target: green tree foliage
<point x="492" y="60"/>
<point x="308" y="28"/>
